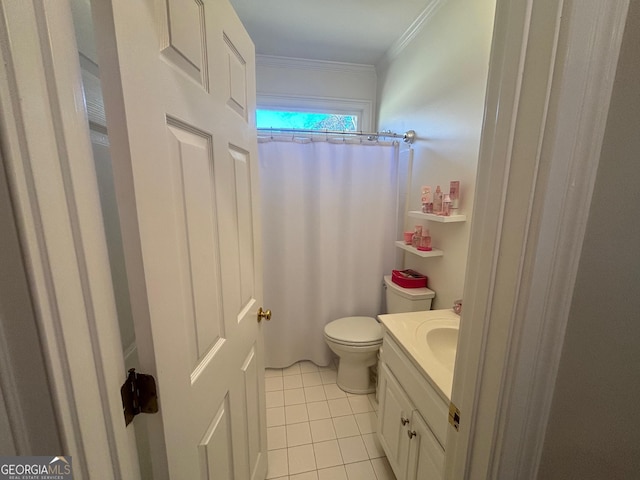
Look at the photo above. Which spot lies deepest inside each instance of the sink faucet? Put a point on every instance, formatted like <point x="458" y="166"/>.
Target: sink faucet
<point x="457" y="306"/>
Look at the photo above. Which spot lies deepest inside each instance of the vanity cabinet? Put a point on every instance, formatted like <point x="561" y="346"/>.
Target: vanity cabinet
<point x="412" y="417"/>
<point x="426" y="455"/>
<point x="394" y="417"/>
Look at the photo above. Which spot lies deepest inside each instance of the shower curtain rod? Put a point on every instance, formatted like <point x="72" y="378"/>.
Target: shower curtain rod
<point x="407" y="137"/>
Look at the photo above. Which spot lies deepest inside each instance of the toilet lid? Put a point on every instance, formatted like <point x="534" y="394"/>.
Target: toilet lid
<point x="361" y="330"/>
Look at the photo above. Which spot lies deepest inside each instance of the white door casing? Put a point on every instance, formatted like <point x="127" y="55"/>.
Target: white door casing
<point x="551" y="75"/>
<point x="179" y="88"/>
<point x="47" y="159"/>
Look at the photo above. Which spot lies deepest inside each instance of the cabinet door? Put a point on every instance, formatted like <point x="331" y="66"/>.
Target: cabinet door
<point x="395" y="408"/>
<point x="426" y="456"/>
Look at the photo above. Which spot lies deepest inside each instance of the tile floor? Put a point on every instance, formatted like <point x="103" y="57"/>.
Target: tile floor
<point x="315" y="431"/>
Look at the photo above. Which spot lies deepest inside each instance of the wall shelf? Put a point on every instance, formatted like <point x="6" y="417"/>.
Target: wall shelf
<point x="437" y="218"/>
<point x="409" y="248"/>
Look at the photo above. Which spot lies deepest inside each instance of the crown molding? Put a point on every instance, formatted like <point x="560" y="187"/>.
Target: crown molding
<point x="309" y="64"/>
<point x="414" y="29"/>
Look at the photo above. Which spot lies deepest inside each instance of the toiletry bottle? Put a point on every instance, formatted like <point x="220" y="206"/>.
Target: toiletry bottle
<point x="425" y="241"/>
<point x="446" y="205"/>
<point x="457" y="306"/>
<point x="437" y="201"/>
<point x="427" y="203"/>
<point x="417" y="235"/>
<point x="454" y="193"/>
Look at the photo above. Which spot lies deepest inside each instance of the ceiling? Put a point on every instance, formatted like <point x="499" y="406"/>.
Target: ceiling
<point x="353" y="31"/>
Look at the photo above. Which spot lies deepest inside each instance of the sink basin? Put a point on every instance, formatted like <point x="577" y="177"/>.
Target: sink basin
<point x="431" y="339"/>
<point x="443" y="342"/>
<point x="437" y="339"/>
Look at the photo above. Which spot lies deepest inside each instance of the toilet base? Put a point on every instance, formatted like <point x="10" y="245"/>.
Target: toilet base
<point x="371" y="389"/>
<point x="355" y="378"/>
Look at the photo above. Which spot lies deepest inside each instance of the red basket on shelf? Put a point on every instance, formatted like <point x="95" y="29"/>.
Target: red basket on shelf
<point x="408" y="278"/>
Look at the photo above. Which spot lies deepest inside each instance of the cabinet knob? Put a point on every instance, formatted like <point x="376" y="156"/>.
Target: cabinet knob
<point x="404" y="421"/>
<point x="411" y="433"/>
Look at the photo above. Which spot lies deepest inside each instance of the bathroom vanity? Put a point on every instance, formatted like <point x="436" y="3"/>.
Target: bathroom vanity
<point x="415" y="377"/>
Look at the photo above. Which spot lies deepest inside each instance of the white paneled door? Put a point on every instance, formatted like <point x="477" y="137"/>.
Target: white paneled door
<point x="179" y="88"/>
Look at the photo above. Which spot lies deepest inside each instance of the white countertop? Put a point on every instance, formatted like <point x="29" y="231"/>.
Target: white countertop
<point x="429" y="338"/>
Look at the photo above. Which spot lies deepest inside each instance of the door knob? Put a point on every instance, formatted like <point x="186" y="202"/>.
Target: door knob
<point x="404" y="421"/>
<point x="263" y="314"/>
<point x="411" y="433"/>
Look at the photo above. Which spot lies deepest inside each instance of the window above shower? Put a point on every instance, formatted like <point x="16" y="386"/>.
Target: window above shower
<point x="303" y="120"/>
<point x="313" y="113"/>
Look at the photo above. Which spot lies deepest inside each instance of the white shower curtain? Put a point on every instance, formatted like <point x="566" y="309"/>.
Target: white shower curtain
<point x="329" y="223"/>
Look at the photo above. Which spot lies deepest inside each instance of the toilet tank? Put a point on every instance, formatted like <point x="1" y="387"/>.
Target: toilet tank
<point x="401" y="299"/>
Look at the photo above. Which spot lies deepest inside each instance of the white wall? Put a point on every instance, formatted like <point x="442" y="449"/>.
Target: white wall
<point x="436" y="86"/>
<point x="315" y="83"/>
<point x="594" y="426"/>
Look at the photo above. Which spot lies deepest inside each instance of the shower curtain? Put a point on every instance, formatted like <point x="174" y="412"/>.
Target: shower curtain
<point x="329" y="212"/>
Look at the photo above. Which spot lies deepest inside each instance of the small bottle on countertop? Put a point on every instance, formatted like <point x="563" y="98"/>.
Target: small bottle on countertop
<point x="457" y="306"/>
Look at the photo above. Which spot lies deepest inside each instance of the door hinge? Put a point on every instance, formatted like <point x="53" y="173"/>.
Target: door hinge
<point x="454" y="416"/>
<point x="139" y="395"/>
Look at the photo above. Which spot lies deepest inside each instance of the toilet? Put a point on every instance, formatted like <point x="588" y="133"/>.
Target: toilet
<point x="356" y="340"/>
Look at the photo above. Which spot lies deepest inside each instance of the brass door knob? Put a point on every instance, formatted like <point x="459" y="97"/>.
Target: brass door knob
<point x="264" y="314"/>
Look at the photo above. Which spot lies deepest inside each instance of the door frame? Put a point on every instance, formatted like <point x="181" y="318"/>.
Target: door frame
<point x="551" y="75"/>
<point x="47" y="156"/>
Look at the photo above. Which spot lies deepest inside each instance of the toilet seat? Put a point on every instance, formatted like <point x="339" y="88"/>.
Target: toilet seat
<point x="355" y="331"/>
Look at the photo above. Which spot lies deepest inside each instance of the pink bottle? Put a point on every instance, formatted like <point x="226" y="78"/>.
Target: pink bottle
<point x="446" y="205"/>
<point x="425" y="241"/>
<point x="417" y="234"/>
<point x="454" y="193"/>
<point x="437" y="201"/>
<point x="427" y="203"/>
